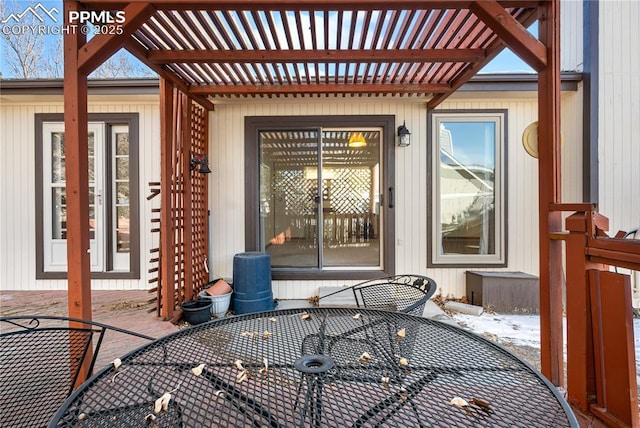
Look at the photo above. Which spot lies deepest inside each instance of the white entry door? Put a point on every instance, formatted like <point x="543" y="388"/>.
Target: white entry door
<point x="54" y="197"/>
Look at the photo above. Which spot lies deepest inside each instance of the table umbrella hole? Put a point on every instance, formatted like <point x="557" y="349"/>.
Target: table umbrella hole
<point x="314" y="364"/>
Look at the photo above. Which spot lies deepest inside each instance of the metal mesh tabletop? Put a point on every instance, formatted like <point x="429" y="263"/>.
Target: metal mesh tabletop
<point x="323" y="367"/>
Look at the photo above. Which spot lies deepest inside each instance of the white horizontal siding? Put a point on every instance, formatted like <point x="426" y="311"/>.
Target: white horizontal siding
<point x="17" y="191"/>
<point x="227" y="181"/>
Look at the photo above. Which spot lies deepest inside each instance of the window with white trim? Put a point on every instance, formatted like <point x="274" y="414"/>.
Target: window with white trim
<point x="113" y="205"/>
<point x="468" y="198"/>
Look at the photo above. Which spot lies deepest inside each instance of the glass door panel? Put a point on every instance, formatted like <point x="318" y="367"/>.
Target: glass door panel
<point x="321" y="209"/>
<point x="289" y="197"/>
<point x="55" y="225"/>
<point x="351" y="198"/>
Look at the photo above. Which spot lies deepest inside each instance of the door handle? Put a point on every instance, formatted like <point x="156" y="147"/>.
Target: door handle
<point x="391" y="201"/>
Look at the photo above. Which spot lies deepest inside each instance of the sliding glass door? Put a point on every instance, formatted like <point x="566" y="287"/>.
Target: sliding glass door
<point x="320" y="198"/>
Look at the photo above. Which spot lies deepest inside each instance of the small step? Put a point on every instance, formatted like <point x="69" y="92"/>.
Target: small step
<point x="343" y="299"/>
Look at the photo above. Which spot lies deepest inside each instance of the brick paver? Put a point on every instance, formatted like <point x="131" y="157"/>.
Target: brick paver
<point x="124" y="309"/>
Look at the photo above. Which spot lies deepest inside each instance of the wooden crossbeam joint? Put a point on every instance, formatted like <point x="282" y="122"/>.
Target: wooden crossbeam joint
<point x="516" y="37"/>
<point x="102" y="46"/>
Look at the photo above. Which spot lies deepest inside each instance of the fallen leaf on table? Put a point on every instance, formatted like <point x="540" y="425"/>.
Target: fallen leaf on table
<point x="483" y="404"/>
<point x="273" y="319"/>
<point x="242" y="376"/>
<point x="401" y="333"/>
<point x="198" y="370"/>
<point x="117" y="363"/>
<point x="365" y="357"/>
<point x="305" y="316"/>
<point x="404" y="362"/>
<point x="162" y="403"/>
<point x="238" y="365"/>
<point x="266" y="335"/>
<point x="356" y="316"/>
<point x="460" y="402"/>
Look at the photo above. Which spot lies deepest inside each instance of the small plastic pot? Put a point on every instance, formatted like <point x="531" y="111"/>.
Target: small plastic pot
<point x="197" y="311"/>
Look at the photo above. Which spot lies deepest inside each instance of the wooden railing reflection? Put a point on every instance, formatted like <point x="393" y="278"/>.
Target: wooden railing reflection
<point x="342" y="228"/>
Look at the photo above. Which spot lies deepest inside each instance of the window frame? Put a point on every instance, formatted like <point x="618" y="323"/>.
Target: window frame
<point x="109" y="119"/>
<point x="255" y="124"/>
<point x="500" y="259"/>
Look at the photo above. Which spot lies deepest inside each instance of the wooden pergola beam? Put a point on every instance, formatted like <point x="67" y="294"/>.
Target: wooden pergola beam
<point x="139" y="52"/>
<point x="334" y="5"/>
<point x="319" y="88"/>
<point x="521" y="42"/>
<point x="328" y="55"/>
<point x="102" y="46"/>
<point x="491" y="52"/>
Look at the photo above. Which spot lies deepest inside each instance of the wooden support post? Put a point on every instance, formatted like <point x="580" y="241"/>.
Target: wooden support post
<point x="77" y="181"/>
<point x="188" y="200"/>
<point x="549" y="184"/>
<point x="581" y="387"/>
<point x="167" y="232"/>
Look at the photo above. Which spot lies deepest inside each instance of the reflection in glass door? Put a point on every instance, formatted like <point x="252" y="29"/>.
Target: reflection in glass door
<point x="320" y="209"/>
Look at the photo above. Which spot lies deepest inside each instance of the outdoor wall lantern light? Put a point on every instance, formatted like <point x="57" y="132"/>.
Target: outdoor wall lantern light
<point x="404" y="136"/>
<point x="202" y="161"/>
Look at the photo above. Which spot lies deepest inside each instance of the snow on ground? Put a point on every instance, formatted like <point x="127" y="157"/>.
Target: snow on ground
<point x="523" y="330"/>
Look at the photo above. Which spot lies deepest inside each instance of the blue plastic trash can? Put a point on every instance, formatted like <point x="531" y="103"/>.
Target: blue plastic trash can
<point x="252" y="283"/>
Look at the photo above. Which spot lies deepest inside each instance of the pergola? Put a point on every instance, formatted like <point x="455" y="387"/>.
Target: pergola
<point x="425" y="49"/>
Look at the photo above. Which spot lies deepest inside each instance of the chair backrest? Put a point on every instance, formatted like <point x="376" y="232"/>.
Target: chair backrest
<point x="402" y="293"/>
<point x="40" y="360"/>
<point x="391" y="296"/>
<point x="423" y="282"/>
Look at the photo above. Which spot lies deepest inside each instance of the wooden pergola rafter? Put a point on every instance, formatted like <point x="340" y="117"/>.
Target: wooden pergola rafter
<point x="253" y="48"/>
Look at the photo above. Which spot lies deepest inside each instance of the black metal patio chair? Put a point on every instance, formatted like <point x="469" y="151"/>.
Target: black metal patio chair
<point x="40" y="361"/>
<point x="399" y="293"/>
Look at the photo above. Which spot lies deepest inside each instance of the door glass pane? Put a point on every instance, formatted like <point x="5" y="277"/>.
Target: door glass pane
<point x="351" y="198"/>
<point x="121" y="198"/>
<point x="92" y="212"/>
<point x="57" y="157"/>
<point x="289" y="198"/>
<point x="467" y="187"/>
<point x="122" y="229"/>
<point x="58" y="193"/>
<point x="58" y="213"/>
<point x="122" y="168"/>
<point x="92" y="158"/>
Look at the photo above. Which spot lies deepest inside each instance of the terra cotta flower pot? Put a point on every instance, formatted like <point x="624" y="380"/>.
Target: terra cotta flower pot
<point x="219" y="287"/>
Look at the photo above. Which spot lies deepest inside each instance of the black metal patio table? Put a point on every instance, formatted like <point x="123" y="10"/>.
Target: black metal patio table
<point x="334" y="367"/>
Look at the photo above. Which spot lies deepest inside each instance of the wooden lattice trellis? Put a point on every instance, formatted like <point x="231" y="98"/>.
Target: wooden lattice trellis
<point x="183" y="213"/>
